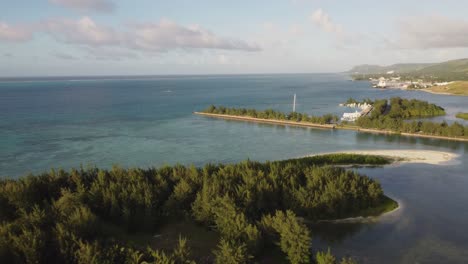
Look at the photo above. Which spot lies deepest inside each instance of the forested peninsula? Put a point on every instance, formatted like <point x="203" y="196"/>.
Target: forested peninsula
<point x="226" y="213"/>
<point x="393" y="116"/>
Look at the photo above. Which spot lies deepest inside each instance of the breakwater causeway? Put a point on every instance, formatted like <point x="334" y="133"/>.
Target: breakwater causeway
<point x="323" y="126"/>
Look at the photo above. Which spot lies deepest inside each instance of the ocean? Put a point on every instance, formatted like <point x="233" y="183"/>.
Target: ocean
<point x="147" y="121"/>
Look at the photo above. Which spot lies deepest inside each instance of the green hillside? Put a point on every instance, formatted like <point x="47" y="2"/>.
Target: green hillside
<point x="450" y="70"/>
<point x="397" y="68"/>
<point x="454" y="70"/>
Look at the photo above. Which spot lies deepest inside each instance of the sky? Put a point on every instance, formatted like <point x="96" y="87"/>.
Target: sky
<point x="153" y="37"/>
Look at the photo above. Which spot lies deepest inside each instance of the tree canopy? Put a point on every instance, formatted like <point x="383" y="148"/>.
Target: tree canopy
<point x="272" y="114"/>
<point x="396" y="115"/>
<point x="62" y="216"/>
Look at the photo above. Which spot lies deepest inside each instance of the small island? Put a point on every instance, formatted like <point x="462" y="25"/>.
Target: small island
<point x="176" y="214"/>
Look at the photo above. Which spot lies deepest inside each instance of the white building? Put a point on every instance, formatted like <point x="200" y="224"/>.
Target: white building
<point x="442" y="83"/>
<point x="351" y="116"/>
<point x="382" y="83"/>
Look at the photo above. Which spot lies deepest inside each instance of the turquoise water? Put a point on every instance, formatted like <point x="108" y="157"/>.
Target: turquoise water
<point x="144" y="122"/>
<point x="149" y="121"/>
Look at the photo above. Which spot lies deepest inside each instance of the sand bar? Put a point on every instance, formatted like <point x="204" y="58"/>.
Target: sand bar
<point x="408" y="155"/>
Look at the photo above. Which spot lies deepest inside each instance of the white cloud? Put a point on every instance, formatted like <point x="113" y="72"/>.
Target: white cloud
<point x="426" y="32"/>
<point x="14" y="33"/>
<point x="343" y="38"/>
<point x="169" y="35"/>
<point x="106" y="53"/>
<point x="159" y="37"/>
<point x="323" y="20"/>
<point x="88" y="5"/>
<point x="83" y="31"/>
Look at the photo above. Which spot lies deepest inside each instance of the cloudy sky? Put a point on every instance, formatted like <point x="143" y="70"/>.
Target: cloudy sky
<point x="123" y="37"/>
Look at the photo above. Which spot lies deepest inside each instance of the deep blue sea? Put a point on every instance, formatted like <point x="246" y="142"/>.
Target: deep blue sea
<point x="147" y="121"/>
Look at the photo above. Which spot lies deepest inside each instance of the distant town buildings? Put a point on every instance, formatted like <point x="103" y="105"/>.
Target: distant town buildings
<point x="397" y="83"/>
<point x="382" y="83"/>
<point x="442" y="83"/>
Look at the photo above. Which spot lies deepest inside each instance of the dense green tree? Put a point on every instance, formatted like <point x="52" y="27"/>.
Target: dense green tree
<point x="273" y="114"/>
<point x="294" y="237"/>
<point x="249" y="204"/>
<point x="394" y="116"/>
<point x="328" y="258"/>
<point x="229" y="252"/>
<point x="325" y="257"/>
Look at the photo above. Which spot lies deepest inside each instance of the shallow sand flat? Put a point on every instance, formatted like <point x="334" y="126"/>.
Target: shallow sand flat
<point x="409" y="155"/>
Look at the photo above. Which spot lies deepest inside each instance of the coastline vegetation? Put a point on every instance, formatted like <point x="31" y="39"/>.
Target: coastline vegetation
<point x="80" y="216"/>
<point x="339" y="159"/>
<point x="396" y="115"/>
<point x="462" y="115"/>
<point x="272" y="114"/>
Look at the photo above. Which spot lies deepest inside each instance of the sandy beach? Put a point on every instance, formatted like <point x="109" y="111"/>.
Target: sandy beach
<point x="408" y="155"/>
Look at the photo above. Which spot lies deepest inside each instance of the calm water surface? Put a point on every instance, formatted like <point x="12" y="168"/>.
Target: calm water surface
<point x="148" y="122"/>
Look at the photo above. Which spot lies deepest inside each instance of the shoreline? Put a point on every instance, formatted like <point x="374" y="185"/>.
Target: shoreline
<point x="440" y="93"/>
<point x="365" y="219"/>
<point x="324" y="126"/>
<point x="427" y="90"/>
<point x="401" y="156"/>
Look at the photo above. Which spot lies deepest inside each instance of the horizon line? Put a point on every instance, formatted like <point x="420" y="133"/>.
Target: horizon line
<point x="18" y="77"/>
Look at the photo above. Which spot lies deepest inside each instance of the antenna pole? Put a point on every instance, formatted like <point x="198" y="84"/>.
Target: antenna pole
<point x="294" y="103"/>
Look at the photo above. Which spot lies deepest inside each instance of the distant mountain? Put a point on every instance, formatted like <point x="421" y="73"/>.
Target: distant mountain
<point x="450" y="70"/>
<point x="397" y="68"/>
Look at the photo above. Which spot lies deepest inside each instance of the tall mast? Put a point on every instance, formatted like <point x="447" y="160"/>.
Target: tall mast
<point x="294" y="103"/>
